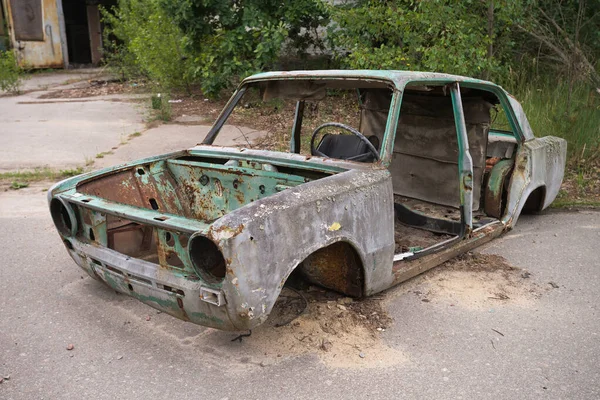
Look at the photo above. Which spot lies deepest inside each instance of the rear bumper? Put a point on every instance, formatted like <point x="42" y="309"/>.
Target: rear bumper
<point x="161" y="288"/>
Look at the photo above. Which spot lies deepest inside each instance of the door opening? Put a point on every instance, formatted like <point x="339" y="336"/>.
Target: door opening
<point x="78" y="36"/>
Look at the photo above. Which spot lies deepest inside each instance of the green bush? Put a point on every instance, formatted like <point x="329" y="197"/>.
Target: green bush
<point x="141" y="40"/>
<point x="10" y="72"/>
<point x="177" y="43"/>
<point x="231" y="40"/>
<point x="160" y="103"/>
<point x="441" y="36"/>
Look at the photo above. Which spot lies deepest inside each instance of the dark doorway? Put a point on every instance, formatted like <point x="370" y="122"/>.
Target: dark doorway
<point x="3" y="31"/>
<point x="78" y="36"/>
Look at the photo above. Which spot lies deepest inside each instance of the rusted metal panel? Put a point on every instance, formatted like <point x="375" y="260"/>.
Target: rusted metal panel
<point x="27" y="19"/>
<point x="95" y="31"/>
<point x="539" y="163"/>
<point x="147" y="186"/>
<point x="358" y="212"/>
<point x="335" y="267"/>
<point x="495" y="191"/>
<point x="404" y="270"/>
<point x="35" y="33"/>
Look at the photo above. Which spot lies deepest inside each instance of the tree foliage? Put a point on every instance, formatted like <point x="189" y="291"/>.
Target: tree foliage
<point x="430" y="35"/>
<point x="141" y="39"/>
<point x="564" y="37"/>
<point x="232" y="39"/>
<point x="215" y="43"/>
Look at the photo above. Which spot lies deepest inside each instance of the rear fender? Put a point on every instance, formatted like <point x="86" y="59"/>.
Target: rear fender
<point x="539" y="163"/>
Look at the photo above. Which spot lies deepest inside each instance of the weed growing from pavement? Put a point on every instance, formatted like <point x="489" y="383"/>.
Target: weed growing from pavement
<point x="15" y="185"/>
<point x="38" y="174"/>
<point x="104" y="153"/>
<point x="567" y="203"/>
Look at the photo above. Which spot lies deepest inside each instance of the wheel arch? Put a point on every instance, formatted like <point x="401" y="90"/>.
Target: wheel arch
<point x="337" y="265"/>
<point x="535" y="200"/>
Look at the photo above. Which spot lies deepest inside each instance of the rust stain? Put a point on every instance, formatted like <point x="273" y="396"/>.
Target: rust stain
<point x="496" y="193"/>
<point x="239" y="197"/>
<point x="335" y="267"/>
<point x="218" y="188"/>
<point x="87" y="216"/>
<point x="224" y="232"/>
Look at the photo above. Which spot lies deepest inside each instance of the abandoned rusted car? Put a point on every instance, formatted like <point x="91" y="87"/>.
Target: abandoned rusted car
<point x="354" y="181"/>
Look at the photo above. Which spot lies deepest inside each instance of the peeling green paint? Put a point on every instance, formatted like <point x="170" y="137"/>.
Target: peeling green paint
<point x="497" y="176"/>
<point x="116" y="284"/>
<point x="200" y="316"/>
<point x="165" y="304"/>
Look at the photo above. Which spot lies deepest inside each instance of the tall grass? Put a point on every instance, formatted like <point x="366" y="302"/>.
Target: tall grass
<point x="576" y="118"/>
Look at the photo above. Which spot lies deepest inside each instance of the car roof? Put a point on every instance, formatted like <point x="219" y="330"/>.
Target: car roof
<point x="397" y="77"/>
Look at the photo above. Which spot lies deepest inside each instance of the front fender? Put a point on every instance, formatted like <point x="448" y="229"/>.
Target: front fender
<point x="265" y="241"/>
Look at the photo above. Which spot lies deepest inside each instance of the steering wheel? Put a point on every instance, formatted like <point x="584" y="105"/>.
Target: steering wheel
<point x="370" y="147"/>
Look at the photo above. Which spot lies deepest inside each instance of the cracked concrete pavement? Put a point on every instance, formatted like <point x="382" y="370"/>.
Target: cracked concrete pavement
<point x="73" y="132"/>
<point x="62" y="133"/>
<point x="549" y="347"/>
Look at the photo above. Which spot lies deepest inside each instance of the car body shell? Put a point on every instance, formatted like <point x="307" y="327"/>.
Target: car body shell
<point x="264" y="241"/>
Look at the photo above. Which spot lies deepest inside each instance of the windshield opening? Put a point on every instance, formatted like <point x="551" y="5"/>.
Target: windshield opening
<point x="341" y="119"/>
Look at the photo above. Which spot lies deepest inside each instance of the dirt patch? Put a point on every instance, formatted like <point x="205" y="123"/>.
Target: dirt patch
<point x="185" y="106"/>
<point x="342" y="332"/>
<point x="94" y="88"/>
<point x="408" y="238"/>
<point x="316" y="302"/>
<point x="346" y="333"/>
<point x="479" y="281"/>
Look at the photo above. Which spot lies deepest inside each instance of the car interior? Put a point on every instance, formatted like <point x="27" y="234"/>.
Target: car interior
<point x="425" y="155"/>
<point x="425" y="162"/>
